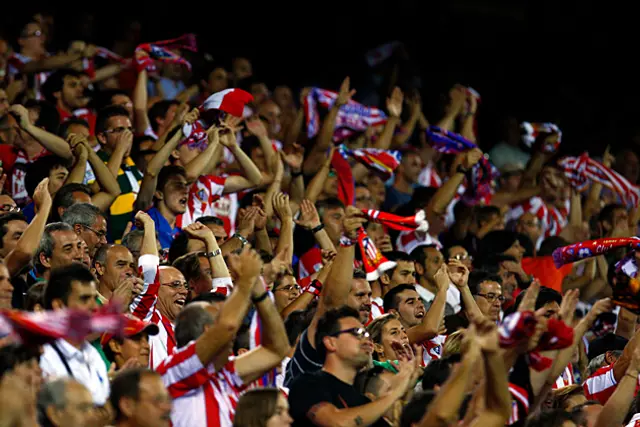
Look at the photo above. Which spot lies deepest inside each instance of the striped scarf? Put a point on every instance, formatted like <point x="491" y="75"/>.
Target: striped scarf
<point x="591" y="248"/>
<point x="352" y="117"/>
<point x="582" y="170"/>
<point x="532" y="131"/>
<point x="161" y="51"/>
<point x="384" y="162"/>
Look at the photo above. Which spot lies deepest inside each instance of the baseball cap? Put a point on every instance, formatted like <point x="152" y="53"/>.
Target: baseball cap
<point x="133" y="327"/>
<point x="511" y="169"/>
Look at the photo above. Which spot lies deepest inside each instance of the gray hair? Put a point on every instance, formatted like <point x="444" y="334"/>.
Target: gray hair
<point x="191" y="321"/>
<point x="52" y="393"/>
<point x="84" y="214"/>
<point x="47" y="242"/>
<point x="599" y="361"/>
<point x="133" y="239"/>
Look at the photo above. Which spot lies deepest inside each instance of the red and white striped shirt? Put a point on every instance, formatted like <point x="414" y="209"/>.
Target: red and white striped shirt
<point x="144" y="307"/>
<point x="635" y="421"/>
<point x="376" y="311"/>
<point x="15" y="64"/>
<point x="203" y="397"/>
<point x="202" y="195"/>
<point x="432" y="349"/>
<point x="429" y="176"/>
<point x="566" y="379"/>
<point x="601" y="385"/>
<point x="552" y="219"/>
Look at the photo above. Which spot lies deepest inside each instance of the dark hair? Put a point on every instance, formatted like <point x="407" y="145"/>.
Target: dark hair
<point x="105" y="97"/>
<point x="358" y="273"/>
<point x="40" y="169"/>
<point x="437" y="372"/>
<point x="296" y="322"/>
<point x="484" y="213"/>
<point x="206" y="220"/>
<point x="101" y="254"/>
<point x="328" y="203"/>
<point x="48" y="116"/>
<point x="106" y="113"/>
<point x="6" y="219"/>
<point x="419" y="254"/>
<point x="179" y="246"/>
<point x="63" y="129"/>
<point x="476" y="277"/>
<point x="126" y="385"/>
<point x="416" y="408"/>
<point x="550" y="244"/>
<point x="13" y="354"/>
<point x="189" y="266"/>
<point x="190" y="323"/>
<point x="64" y="198"/>
<point x="545" y="296"/>
<point x="256" y="406"/>
<point x="250" y="143"/>
<point x="209" y="297"/>
<point x="396" y="256"/>
<point x="497" y="241"/>
<point x="168" y="172"/>
<point x="47" y="242"/>
<point x="159" y="109"/>
<point x="130" y="237"/>
<point x="606" y="214"/>
<point x="329" y="324"/>
<point x="35" y="295"/>
<point x="553" y="418"/>
<point x="391" y="298"/>
<point x="55" y="82"/>
<point x="61" y="280"/>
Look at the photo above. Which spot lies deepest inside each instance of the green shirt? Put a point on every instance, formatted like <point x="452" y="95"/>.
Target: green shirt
<point x="98" y="346"/>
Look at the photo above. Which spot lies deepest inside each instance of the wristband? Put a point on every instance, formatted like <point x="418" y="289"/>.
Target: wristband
<point x="314" y="288"/>
<point x="296" y="174"/>
<point x="212" y="254"/>
<point x="345" y="241"/>
<point x="461" y="170"/>
<point x="261" y="298"/>
<point x="314" y="230"/>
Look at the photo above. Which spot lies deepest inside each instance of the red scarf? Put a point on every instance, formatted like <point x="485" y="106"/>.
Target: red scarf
<point x="591" y="248"/>
<point x="416" y="222"/>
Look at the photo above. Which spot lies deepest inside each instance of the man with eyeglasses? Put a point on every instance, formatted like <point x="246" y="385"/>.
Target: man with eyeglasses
<point x="285" y="291"/>
<point x="487" y="292"/>
<point x="327" y="396"/>
<point x="89" y="224"/>
<point x="115" y="133"/>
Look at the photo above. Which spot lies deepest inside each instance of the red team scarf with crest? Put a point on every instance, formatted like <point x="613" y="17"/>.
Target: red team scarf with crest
<point x="352" y="117"/>
<point x="532" y="131"/>
<point x="591" y="248"/>
<point x="44" y="327"/>
<point x="161" y="51"/>
<point x="384" y="162"/>
<point x="417" y="222"/>
<point x="580" y="171"/>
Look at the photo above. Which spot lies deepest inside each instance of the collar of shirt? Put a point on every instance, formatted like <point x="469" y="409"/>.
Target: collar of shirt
<point x="70" y="352"/>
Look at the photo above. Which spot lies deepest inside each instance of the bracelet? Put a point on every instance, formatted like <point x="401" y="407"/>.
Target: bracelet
<point x="212" y="254"/>
<point x="315" y="229"/>
<point x="635" y="377"/>
<point x="261" y="298"/>
<point x="461" y="170"/>
<point x="241" y="238"/>
<point x="345" y="241"/>
<point x="296" y="174"/>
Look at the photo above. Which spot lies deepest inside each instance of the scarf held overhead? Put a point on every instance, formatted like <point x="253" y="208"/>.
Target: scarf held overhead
<point x="582" y="170"/>
<point x="591" y="248"/>
<point x="162" y="50"/>
<point x="417" y="222"/>
<point x="352" y="117"/>
<point x="384" y="162"/>
<point x="532" y="131"/>
<point x="374" y="262"/>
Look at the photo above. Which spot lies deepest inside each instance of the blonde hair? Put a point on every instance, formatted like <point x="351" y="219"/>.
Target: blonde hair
<point x="376" y="327"/>
<point x="255" y="407"/>
<point x="453" y="344"/>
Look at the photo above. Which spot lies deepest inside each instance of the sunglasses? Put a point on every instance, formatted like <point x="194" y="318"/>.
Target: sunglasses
<point x="360" y="333"/>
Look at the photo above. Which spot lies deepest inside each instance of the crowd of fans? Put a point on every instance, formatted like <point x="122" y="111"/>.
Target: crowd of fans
<point x="284" y="259"/>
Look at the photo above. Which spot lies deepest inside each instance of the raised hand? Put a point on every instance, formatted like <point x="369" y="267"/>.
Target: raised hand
<point x="23" y="115"/>
<point x="213" y="135"/>
<point x="260" y="218"/>
<point x="295" y="158"/>
<point x="281" y="206"/>
<point x="394" y="102"/>
<point x="601" y="306"/>
<point x="199" y="231"/>
<point x="143" y="220"/>
<point x="328" y="256"/>
<point x="125" y="139"/>
<point x="127" y="290"/>
<point x="247" y="266"/>
<point x="442" y="277"/>
<point x="352" y="221"/>
<point x="471" y="157"/>
<point x="191" y="117"/>
<point x="458" y="273"/>
<point x="278" y="265"/>
<point x="246" y="221"/>
<point x="345" y="93"/>
<point x="309" y="217"/>
<point x="568" y="306"/>
<point x="256" y="127"/>
<point x="528" y="302"/>
<point x="41" y="195"/>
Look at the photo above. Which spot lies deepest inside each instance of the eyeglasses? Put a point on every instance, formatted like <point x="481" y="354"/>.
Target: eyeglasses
<point x="177" y="285"/>
<point x="289" y="288"/>
<point x="360" y="333"/>
<point x="9" y="208"/>
<point x="491" y="297"/>
<point x="99" y="233"/>
<point x="119" y="129"/>
<point x="36" y="33"/>
<point x="462" y="257"/>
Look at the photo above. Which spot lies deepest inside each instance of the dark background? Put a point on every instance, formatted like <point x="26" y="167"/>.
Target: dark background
<point x="569" y="62"/>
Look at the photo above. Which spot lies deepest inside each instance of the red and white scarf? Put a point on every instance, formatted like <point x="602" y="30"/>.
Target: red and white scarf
<point x="417" y="222"/>
<point x="161" y="51"/>
<point x="582" y="170"/>
<point x="374" y="263"/>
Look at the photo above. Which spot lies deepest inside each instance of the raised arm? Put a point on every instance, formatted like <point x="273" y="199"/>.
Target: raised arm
<point x="469" y="118"/>
<point x="283" y="210"/>
<point x="445" y="194"/>
<point x="429" y="326"/>
<point x="317" y="182"/>
<point x="394" y="107"/>
<point x="253" y="175"/>
<point x="52" y="62"/>
<point x="51" y="142"/>
<point x="144" y="303"/>
<point x="410" y="125"/>
<point x="457" y="97"/>
<point x="28" y="243"/>
<point x="77" y="172"/>
<point x="140" y="100"/>
<point x="459" y="276"/>
<point x="310" y="220"/>
<point x="216" y="261"/>
<point x="107" y="71"/>
<point x="106" y="183"/>
<point x="256" y="127"/>
<point x="275" y="344"/>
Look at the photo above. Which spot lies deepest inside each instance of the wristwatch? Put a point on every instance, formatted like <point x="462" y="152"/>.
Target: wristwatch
<point x="241" y="238"/>
<point x="212" y="254"/>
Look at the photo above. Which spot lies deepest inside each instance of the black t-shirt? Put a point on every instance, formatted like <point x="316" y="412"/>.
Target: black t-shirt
<point x="305" y="360"/>
<point x="310" y="389"/>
